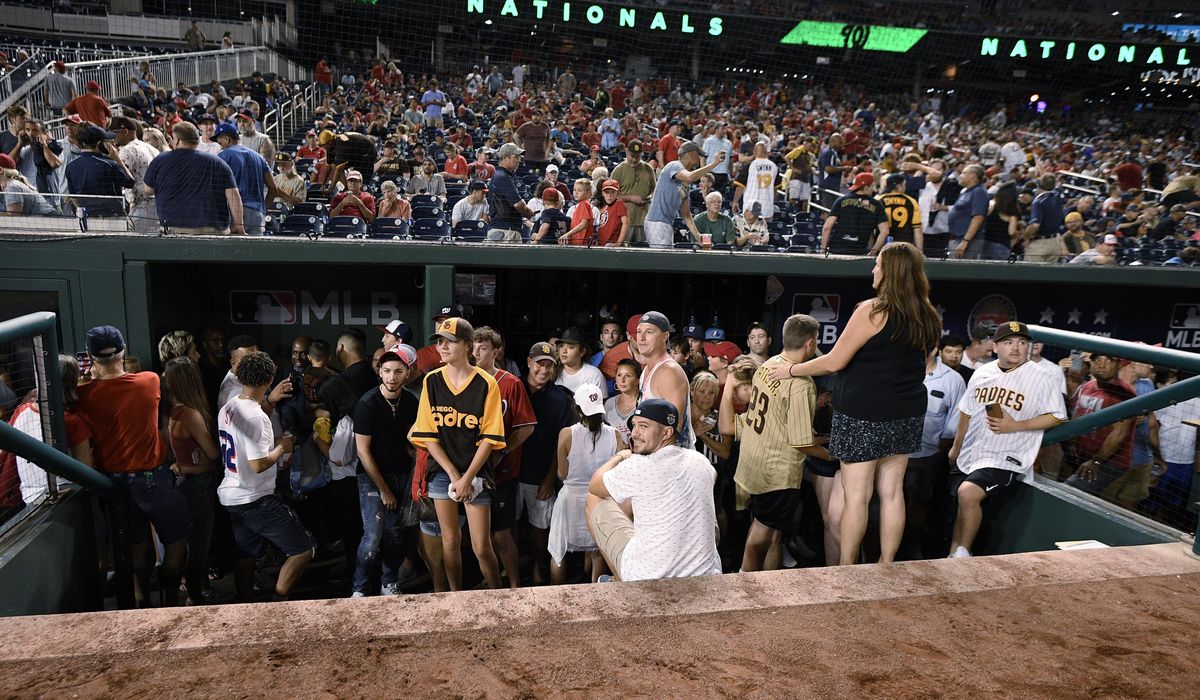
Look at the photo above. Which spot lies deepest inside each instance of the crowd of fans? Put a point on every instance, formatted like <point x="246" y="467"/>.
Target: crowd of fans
<point x="527" y="155"/>
<point x="641" y="449"/>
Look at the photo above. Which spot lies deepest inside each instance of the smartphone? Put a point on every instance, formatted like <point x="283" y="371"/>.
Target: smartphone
<point x="85" y="363"/>
<point x="994" y="410"/>
<point x="1076" y="361"/>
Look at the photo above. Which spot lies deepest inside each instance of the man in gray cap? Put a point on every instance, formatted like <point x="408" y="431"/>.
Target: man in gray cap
<point x="671" y="195"/>
<point x="506" y="208"/>
<point x="650" y="507"/>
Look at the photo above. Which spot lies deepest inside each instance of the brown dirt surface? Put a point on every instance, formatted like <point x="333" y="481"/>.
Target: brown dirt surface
<point x="1120" y="638"/>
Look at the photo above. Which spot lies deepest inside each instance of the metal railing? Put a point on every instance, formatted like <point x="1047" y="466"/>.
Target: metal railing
<point x="198" y="68"/>
<point x="48" y="449"/>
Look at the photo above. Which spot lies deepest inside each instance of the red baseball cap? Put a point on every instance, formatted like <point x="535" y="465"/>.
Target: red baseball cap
<point x="724" y="349"/>
<point x="632" y="324"/>
<point x="73" y="118"/>
<point x="92" y="85"/>
<point x="861" y="180"/>
<point x="6" y="161"/>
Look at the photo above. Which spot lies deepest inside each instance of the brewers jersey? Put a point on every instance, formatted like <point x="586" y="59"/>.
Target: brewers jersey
<point x="1023" y="392"/>
<point x="903" y="214"/>
<point x="776" y="425"/>
<point x="460" y="418"/>
<point x="758" y="179"/>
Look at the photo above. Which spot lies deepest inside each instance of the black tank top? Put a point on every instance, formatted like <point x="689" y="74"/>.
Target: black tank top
<point x="995" y="230"/>
<point x="884" y="381"/>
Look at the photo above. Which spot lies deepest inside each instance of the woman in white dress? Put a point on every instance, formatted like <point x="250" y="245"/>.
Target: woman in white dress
<point x="582" y="448"/>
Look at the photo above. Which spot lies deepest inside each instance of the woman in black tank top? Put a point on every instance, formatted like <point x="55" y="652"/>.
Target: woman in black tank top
<point x="879" y="399"/>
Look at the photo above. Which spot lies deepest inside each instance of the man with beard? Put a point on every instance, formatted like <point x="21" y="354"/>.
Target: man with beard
<point x="650" y="508"/>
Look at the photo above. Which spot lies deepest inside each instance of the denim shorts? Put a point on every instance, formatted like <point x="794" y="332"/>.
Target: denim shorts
<point x="439" y="490"/>
<point x="269" y="520"/>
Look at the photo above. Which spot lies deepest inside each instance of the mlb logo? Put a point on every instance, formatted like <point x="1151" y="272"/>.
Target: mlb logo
<point x="262" y="307"/>
<point x="1185" y="316"/>
<point x="825" y="308"/>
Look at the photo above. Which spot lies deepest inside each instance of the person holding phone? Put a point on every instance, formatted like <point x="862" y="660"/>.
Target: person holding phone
<point x="249" y="452"/>
<point x="1008" y="404"/>
<point x="97" y="178"/>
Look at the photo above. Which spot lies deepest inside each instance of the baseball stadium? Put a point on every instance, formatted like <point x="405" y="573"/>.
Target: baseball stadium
<point x="542" y="348"/>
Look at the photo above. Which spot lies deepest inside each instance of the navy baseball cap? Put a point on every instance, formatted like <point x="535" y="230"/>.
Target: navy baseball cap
<point x="400" y="329"/>
<point x="658" y="410"/>
<point x="225" y="129"/>
<point x="656" y="319"/>
<point x="714" y="335"/>
<point x="893" y="180"/>
<point x="692" y="330"/>
<point x="571" y="335"/>
<point x="91" y="135"/>
<point x="104" y="341"/>
<point x="447" y="312"/>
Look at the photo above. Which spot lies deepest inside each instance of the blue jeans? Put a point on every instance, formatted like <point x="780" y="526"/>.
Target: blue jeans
<point x="253" y="219"/>
<point x="381" y="533"/>
<point x="979" y="249"/>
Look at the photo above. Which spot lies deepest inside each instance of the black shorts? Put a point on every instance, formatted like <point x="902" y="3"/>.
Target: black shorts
<point x="989" y="479"/>
<point x="505" y="498"/>
<point x="918" y="479"/>
<point x="148" y="498"/>
<point x="827" y="468"/>
<point x="268" y="520"/>
<point x="775" y="508"/>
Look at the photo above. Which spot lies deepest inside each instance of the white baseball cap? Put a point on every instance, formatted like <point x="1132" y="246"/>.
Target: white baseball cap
<point x="589" y="399"/>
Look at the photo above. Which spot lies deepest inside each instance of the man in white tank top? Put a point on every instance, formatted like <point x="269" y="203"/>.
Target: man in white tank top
<point x="662" y="377"/>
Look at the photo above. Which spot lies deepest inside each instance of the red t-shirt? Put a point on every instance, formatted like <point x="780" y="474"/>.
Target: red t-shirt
<point x="1129" y="176"/>
<point x="608" y="363"/>
<point x="90" y="108"/>
<point x="584" y="214"/>
<point x="353" y="209"/>
<point x="123" y="416"/>
<point x="518" y="411"/>
<point x="617" y="95"/>
<point x="669" y="145"/>
<point x="456" y="166"/>
<point x="428" y="359"/>
<point x="323" y="73"/>
<point x="481" y="171"/>
<point x="316" y="152"/>
<point x="1092" y="397"/>
<point x="590" y="138"/>
<point x="610" y="222"/>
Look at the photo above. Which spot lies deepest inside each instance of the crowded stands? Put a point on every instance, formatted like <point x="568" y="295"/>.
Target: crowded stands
<point x="526" y="147"/>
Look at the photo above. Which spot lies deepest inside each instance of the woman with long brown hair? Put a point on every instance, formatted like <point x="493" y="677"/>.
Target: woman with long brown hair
<point x="191" y="430"/>
<point x="879" y="401"/>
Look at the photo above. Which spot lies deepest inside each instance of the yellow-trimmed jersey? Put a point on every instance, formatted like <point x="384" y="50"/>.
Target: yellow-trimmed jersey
<point x="459" y="417"/>
<point x="903" y="215"/>
<point x="776" y="425"/>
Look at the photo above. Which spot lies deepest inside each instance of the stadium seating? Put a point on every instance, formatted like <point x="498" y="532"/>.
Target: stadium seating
<point x="430" y="229"/>
<point x="346" y="227"/>
<point x="473" y="231"/>
<point x="388" y="229"/>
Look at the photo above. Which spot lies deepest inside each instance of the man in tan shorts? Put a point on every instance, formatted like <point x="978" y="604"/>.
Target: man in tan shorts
<point x="650" y="508"/>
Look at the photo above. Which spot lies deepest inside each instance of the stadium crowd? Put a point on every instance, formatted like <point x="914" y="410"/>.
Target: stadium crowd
<point x="640" y="449"/>
<point x="558" y="158"/>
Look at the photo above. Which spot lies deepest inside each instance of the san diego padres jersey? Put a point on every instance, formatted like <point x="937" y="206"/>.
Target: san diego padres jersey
<point x="903" y="216"/>
<point x="460" y="417"/>
<point x="776" y="425"/>
<point x="760" y="185"/>
<point x="1023" y="392"/>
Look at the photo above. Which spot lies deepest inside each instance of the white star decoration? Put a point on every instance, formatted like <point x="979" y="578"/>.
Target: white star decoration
<point x="1073" y="316"/>
<point x="1101" y="318"/>
<point x="1047" y="315"/>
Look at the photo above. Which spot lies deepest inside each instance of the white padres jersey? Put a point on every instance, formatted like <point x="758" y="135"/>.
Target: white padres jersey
<point x="244" y="432"/>
<point x="1023" y="392"/>
<point x="760" y="186"/>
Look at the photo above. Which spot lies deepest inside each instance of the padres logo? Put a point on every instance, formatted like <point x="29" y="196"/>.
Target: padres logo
<point x="1014" y="327"/>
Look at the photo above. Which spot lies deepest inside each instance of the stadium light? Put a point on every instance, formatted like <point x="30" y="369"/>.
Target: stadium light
<point x="1178" y="15"/>
<point x="1115" y="13"/>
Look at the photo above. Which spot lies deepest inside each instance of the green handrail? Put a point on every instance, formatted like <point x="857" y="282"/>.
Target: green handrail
<point x="52" y="460"/>
<point x="1138" y="406"/>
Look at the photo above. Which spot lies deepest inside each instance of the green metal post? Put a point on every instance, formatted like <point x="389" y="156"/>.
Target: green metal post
<point x="1141" y="405"/>
<point x="1117" y="348"/>
<point x="52" y="460"/>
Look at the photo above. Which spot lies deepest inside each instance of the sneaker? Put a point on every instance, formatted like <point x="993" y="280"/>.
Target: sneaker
<point x="604" y="578"/>
<point x="789" y="562"/>
<point x="389" y="589"/>
<point x="960" y="553"/>
<point x="358" y="594"/>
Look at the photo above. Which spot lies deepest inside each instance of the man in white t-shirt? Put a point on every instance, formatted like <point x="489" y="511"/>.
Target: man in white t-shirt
<point x="1007" y="407"/>
<point x="576" y="371"/>
<point x="249" y="452"/>
<point x="756" y="183"/>
<point x="650" y="508"/>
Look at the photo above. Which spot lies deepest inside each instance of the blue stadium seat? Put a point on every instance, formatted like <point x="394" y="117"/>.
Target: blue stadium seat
<point x="683" y="245"/>
<point x="271" y="224"/>
<point x="347" y="227"/>
<point x="390" y="229"/>
<point x="305" y="165"/>
<point x="431" y="229"/>
<point x="453" y="188"/>
<point x="302" y="225"/>
<point x="310" y="208"/>
<point x="474" y="231"/>
<point x="423" y="199"/>
<point x="279" y="209"/>
<point x="426" y="211"/>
